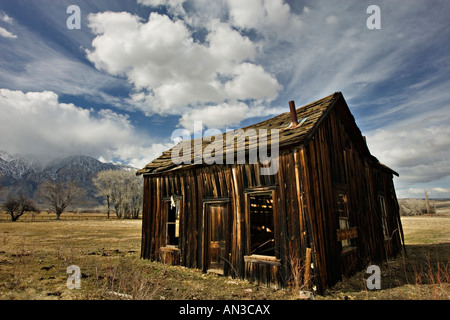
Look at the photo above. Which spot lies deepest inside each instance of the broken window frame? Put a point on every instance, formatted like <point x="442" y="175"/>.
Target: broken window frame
<point x="173" y="203"/>
<point x="271" y="227"/>
<point x="343" y="213"/>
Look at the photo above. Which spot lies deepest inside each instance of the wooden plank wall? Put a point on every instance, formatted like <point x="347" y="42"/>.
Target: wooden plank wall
<point x="233" y="182"/>
<point x="334" y="161"/>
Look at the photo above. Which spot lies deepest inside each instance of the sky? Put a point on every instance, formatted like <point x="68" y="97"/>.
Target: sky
<point x="117" y="82"/>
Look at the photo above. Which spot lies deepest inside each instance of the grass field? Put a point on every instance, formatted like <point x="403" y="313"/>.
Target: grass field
<point x="35" y="255"/>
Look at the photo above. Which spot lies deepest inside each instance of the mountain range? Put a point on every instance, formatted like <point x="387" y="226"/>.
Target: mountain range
<point x="24" y="173"/>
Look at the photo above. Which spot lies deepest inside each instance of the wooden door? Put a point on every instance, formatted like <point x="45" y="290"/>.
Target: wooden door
<point x="216" y="238"/>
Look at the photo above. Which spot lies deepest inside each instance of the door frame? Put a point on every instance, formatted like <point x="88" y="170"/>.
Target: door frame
<point x="207" y="202"/>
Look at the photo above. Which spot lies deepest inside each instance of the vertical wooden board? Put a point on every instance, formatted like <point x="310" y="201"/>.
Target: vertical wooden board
<point x="187" y="197"/>
<point x="257" y="174"/>
<point x="215" y="181"/>
<point x="242" y="218"/>
<point x="293" y="254"/>
<point x="169" y="185"/>
<point x="240" y="222"/>
<point x="289" y="220"/>
<point x="150" y="220"/>
<point x="197" y="215"/>
<point x="146" y="220"/>
<point x="294" y="208"/>
<point x="248" y="181"/>
<point x="233" y="216"/>
<point x="190" y="203"/>
<point x="182" y="244"/>
<point x="154" y="217"/>
<point x="300" y="194"/>
<point x="159" y="218"/>
<point x="280" y="212"/>
<point x="165" y="186"/>
<point x="221" y="181"/>
<point x="310" y="206"/>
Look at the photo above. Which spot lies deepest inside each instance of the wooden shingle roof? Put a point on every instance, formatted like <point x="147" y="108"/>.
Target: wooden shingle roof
<point x="309" y="117"/>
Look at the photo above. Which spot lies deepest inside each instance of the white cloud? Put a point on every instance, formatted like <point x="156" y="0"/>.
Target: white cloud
<point x="170" y="71"/>
<point x="216" y="117"/>
<point x="6" y="34"/>
<point x="3" y="32"/>
<point x="419" y="152"/>
<point x="272" y="18"/>
<point x="37" y="123"/>
<point x="251" y="82"/>
<point x="5" y="18"/>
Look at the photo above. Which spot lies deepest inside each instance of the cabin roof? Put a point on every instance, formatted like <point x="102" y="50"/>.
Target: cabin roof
<point x="309" y="118"/>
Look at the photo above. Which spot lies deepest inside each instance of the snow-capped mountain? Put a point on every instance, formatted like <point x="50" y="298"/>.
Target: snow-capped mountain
<point x="25" y="173"/>
<point x="14" y="167"/>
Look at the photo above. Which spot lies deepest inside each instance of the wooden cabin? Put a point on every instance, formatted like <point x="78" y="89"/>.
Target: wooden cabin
<point x="328" y="211"/>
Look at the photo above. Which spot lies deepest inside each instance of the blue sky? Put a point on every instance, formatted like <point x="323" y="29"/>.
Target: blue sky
<point x="137" y="70"/>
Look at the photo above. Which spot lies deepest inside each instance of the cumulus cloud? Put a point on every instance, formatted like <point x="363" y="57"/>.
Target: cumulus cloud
<point x="170" y="71"/>
<point x="272" y="18"/>
<point x="37" y="123"/>
<point x="216" y="117"/>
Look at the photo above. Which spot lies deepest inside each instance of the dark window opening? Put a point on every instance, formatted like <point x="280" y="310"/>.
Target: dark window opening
<point x="344" y="217"/>
<point x="173" y="223"/>
<point x="262" y="237"/>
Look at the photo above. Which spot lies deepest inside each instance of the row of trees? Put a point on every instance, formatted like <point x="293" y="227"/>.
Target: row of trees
<point x="121" y="191"/>
<point x="55" y="195"/>
<point x="414" y="207"/>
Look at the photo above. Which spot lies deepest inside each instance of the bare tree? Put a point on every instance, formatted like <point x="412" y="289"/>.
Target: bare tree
<point x="122" y="190"/>
<point x="17" y="206"/>
<point x="135" y="196"/>
<point x="58" y="195"/>
<point x="104" y="183"/>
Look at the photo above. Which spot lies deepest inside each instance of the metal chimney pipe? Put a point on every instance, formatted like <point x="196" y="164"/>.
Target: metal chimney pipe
<point x="293" y="114"/>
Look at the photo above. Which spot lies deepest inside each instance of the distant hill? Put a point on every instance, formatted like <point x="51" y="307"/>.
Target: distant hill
<point x="25" y="173"/>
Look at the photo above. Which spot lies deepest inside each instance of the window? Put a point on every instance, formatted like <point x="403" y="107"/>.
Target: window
<point x="384" y="217"/>
<point x="173" y="223"/>
<point x="343" y="213"/>
<point x="262" y="238"/>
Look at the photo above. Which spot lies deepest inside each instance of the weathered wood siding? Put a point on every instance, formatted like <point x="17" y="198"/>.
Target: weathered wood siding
<point x="336" y="162"/>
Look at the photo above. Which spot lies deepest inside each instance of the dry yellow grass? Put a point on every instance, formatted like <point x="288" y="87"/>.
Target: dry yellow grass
<point x="34" y="257"/>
